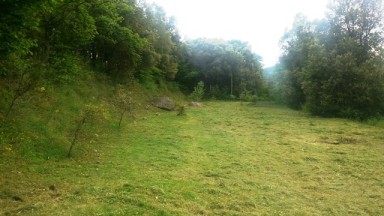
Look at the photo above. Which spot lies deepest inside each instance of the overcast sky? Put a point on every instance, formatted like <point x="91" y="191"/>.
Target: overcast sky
<point x="260" y="22"/>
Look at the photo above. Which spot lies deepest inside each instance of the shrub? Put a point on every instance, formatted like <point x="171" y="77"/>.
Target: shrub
<point x="198" y="92"/>
<point x="65" y="68"/>
<point x="248" y="96"/>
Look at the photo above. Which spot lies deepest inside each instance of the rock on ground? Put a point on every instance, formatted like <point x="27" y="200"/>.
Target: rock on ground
<point x="164" y="103"/>
<point x="195" y="104"/>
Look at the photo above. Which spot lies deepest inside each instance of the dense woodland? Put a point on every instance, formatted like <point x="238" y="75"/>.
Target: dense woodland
<point x="53" y="41"/>
<point x="330" y="67"/>
<point x="335" y="66"/>
<point x="229" y="69"/>
<point x="128" y="40"/>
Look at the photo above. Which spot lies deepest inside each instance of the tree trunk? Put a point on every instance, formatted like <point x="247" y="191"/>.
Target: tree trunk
<point x="11" y="105"/>
<point x="121" y="117"/>
<point x="77" y="132"/>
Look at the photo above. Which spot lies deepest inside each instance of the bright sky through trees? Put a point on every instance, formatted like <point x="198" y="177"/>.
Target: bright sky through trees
<point x="260" y="22"/>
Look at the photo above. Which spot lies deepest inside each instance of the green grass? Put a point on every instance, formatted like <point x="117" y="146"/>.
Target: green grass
<point x="226" y="158"/>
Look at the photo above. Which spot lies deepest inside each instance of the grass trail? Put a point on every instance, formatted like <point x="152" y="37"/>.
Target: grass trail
<point x="223" y="159"/>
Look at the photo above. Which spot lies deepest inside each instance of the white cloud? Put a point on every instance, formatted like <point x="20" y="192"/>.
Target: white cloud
<point x="261" y="23"/>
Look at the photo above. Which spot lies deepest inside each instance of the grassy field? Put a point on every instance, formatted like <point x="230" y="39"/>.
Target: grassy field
<point x="227" y="158"/>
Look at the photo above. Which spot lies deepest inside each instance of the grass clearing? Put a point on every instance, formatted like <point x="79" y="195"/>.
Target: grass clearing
<point x="227" y="158"/>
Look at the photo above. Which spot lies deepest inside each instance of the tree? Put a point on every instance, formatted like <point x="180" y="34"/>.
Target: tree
<point x="18" y="72"/>
<point x="335" y="67"/>
<point x="356" y="26"/>
<point x="165" y="40"/>
<point x="226" y="67"/>
<point x="134" y="40"/>
<point x="296" y="45"/>
<point x="117" y="48"/>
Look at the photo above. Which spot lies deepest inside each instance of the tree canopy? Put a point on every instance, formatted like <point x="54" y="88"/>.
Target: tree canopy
<point x="124" y="39"/>
<point x="335" y="66"/>
<point x="330" y="67"/>
<point x="227" y="68"/>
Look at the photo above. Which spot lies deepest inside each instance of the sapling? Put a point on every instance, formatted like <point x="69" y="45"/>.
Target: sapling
<point x="91" y="114"/>
<point x="198" y="92"/>
<point x="24" y="77"/>
<point x="248" y="96"/>
<point x="124" y="102"/>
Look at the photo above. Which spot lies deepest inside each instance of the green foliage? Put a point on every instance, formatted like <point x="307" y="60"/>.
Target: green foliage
<point x="248" y="96"/>
<point x="187" y="77"/>
<point x="150" y="78"/>
<point x="226" y="64"/>
<point x="133" y="41"/>
<point x="214" y="92"/>
<point x="65" y="68"/>
<point x="120" y="38"/>
<point x="22" y="76"/>
<point x="19" y="19"/>
<point x="297" y="45"/>
<point x="198" y="92"/>
<point x="334" y="67"/>
<point x="51" y="52"/>
<point x="77" y="28"/>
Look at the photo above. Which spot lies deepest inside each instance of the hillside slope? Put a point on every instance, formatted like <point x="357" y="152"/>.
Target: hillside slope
<point x="226" y="158"/>
<point x="42" y="123"/>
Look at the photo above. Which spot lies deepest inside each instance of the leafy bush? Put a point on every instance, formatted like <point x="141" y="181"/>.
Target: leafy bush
<point x="198" y="93"/>
<point x="248" y="96"/>
<point x="64" y="68"/>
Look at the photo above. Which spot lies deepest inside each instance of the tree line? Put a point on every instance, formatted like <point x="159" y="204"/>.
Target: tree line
<point x="54" y="40"/>
<point x="330" y="67"/>
<point x="229" y="69"/>
<point x="123" y="38"/>
<point x="335" y="66"/>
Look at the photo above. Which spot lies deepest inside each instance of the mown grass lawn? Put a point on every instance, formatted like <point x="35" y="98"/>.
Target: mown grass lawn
<point x="227" y="158"/>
